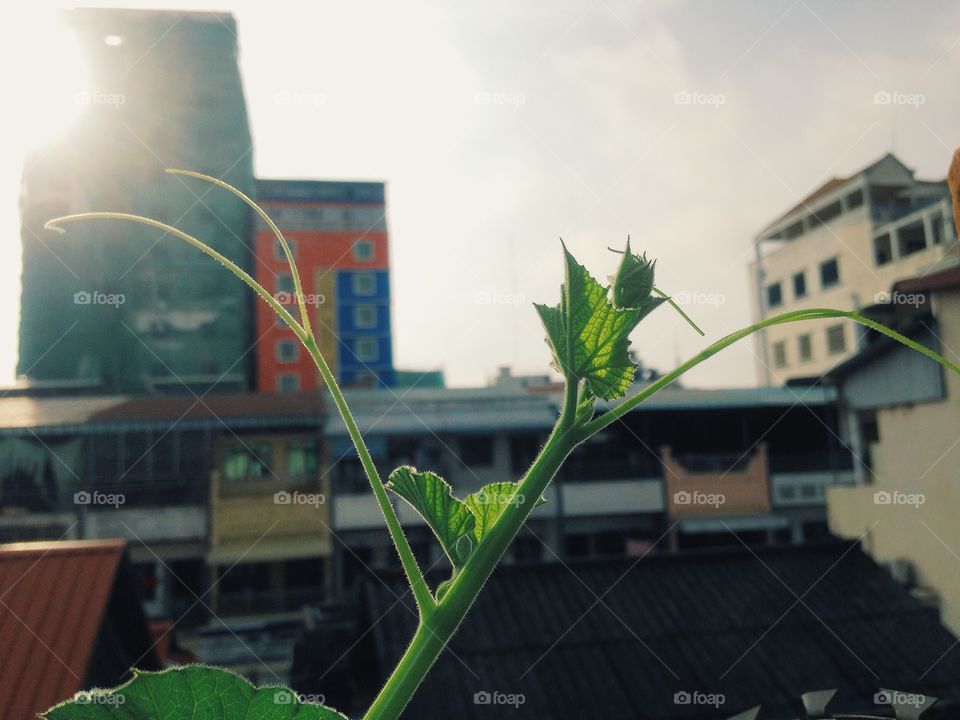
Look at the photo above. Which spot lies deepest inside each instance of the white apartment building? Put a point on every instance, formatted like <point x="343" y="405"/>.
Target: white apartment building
<point x="843" y="246"/>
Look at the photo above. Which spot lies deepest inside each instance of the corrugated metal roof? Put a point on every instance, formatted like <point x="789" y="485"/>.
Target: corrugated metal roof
<point x="26" y="412"/>
<point x="725" y="622"/>
<point x="111" y="412"/>
<point x="53" y="596"/>
<point x="386" y="412"/>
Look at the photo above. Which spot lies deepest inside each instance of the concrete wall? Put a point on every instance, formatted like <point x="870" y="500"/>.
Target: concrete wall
<point x="915" y="470"/>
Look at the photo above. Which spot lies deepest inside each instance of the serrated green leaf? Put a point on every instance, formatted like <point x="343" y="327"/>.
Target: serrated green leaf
<point x="489" y="502"/>
<point x="432" y="497"/>
<point x="598" y="330"/>
<point x="197" y="692"/>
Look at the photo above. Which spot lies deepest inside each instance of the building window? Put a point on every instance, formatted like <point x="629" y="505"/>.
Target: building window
<point x="800" y="284"/>
<point x="774" y="295"/>
<point x="829" y="273"/>
<point x="284" y="283"/>
<point x="363" y="250"/>
<point x="366" y="350"/>
<point x="882" y="249"/>
<point x="287" y="351"/>
<point x="278" y="252"/>
<point x="365" y="316"/>
<point x="780" y="354"/>
<point x="911" y="239"/>
<point x="246" y="460"/>
<point x="854" y="199"/>
<point x="302" y="458"/>
<point x="836" y="339"/>
<point x="804" y="348"/>
<point x="364" y="284"/>
<point x="476" y="450"/>
<point x="288" y="383"/>
<point x="936" y="229"/>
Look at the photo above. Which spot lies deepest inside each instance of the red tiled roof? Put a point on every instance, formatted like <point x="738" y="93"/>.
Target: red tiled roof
<point x="53" y="596"/>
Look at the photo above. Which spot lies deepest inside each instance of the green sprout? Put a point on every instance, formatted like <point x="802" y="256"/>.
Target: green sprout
<point x="588" y="334"/>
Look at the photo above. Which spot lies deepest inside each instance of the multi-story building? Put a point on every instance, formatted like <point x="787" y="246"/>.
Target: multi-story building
<point x="338" y="234"/>
<point x="901" y="412"/>
<point x="842" y="247"/>
<point x="688" y="468"/>
<point x="120" y="303"/>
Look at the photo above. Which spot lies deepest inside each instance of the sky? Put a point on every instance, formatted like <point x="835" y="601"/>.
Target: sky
<point x="500" y="127"/>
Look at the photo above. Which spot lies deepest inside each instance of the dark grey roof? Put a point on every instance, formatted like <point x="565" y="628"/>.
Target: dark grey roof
<point x="760" y="626"/>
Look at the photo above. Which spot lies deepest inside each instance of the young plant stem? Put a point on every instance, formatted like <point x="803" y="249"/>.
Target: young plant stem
<point x="421" y="592"/>
<point x="434" y="632"/>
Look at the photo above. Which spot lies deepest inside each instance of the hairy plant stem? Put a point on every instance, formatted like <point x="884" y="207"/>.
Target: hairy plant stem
<point x="435" y="631"/>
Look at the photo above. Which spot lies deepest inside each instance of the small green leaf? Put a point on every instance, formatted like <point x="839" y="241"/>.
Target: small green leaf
<point x="432" y="497"/>
<point x="194" y="691"/>
<point x="489" y="502"/>
<point x="598" y="331"/>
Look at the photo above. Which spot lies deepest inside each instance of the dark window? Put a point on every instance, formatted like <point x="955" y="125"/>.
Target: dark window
<point x="779" y="354"/>
<point x="882" y="249"/>
<point x="911" y="239"/>
<point x="578" y="546"/>
<point x="836" y="339"/>
<point x="800" y="284"/>
<point x="804" y="347"/>
<point x="278" y="252"/>
<point x="826" y="214"/>
<point x="284" y="283"/>
<point x="476" y="450"/>
<point x="936" y="229"/>
<point x="774" y="295"/>
<point x="793" y="230"/>
<point x="829" y="273"/>
<point x="854" y="199"/>
<point x="523" y="449"/>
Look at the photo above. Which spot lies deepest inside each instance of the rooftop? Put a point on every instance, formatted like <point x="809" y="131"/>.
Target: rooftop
<point x="54" y="599"/>
<point x="758" y="625"/>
